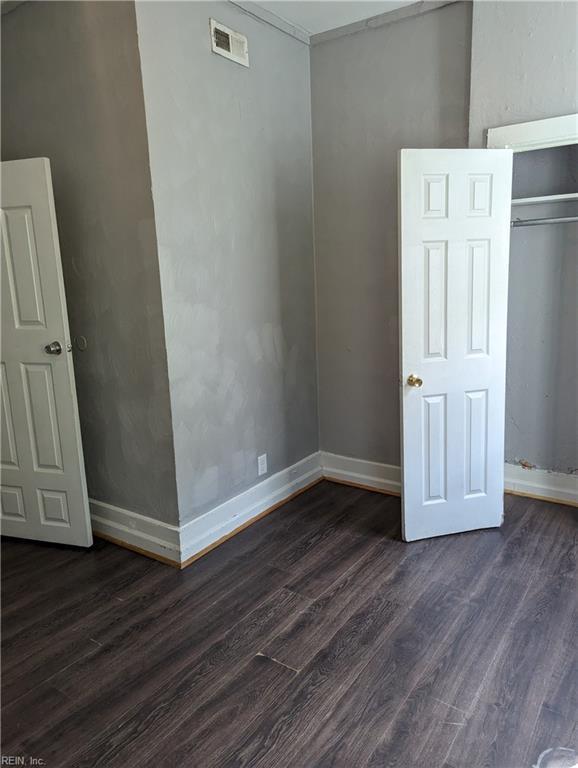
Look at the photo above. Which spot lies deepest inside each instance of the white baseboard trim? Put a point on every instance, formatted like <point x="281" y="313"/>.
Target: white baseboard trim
<point x="180" y="544"/>
<point x="541" y="483"/>
<point x="135" y="530"/>
<point x="221" y="521"/>
<point x="381" y="477"/>
<point x="387" y="477"/>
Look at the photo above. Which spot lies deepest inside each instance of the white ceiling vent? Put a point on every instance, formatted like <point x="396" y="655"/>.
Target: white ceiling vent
<point x="231" y="45"/>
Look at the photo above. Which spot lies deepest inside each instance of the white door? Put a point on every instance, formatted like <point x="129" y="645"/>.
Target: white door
<point x="454" y="251"/>
<point x="43" y="488"/>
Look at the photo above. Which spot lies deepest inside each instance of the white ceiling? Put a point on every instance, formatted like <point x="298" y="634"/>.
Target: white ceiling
<point x="320" y="15"/>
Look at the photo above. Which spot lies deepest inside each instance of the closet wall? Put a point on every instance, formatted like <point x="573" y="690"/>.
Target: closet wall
<point x="532" y="73"/>
<point x="541" y="399"/>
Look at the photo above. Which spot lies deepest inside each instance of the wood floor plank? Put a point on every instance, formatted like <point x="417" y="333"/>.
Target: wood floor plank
<point x="284" y="527"/>
<point x="76" y="614"/>
<point x="315" y="572"/>
<point x="19" y="720"/>
<point x="23" y="678"/>
<point x="427" y="723"/>
<point x="556" y="725"/>
<point x="208" y="732"/>
<point x="351" y="728"/>
<point x="313" y="629"/>
<point x="314" y="638"/>
<point x="425" y="727"/>
<point x="340" y="516"/>
<point x="142" y="659"/>
<point x="282" y="738"/>
<point x="286" y="540"/>
<point x="15" y="557"/>
<point x="399" y="569"/>
<point x="197" y="684"/>
<point x="544" y="538"/>
<point x="313" y="692"/>
<point x="111" y="574"/>
<point x="336" y="740"/>
<point x="76" y="630"/>
<point x="499" y="728"/>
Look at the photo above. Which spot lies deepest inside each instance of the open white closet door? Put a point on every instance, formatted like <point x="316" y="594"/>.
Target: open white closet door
<point x="454" y="251"/>
<point x="43" y="484"/>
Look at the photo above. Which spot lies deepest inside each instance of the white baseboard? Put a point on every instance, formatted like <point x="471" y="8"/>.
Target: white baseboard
<point x="136" y="530"/>
<point x="541" y="483"/>
<point x="221" y="521"/>
<point x="179" y="544"/>
<point x="387" y="477"/>
<point x="382" y="477"/>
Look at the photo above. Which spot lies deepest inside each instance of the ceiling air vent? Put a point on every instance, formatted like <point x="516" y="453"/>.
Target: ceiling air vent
<point x="231" y="45"/>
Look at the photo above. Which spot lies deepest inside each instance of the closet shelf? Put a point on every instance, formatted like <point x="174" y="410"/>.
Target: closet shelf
<point x="544" y="199"/>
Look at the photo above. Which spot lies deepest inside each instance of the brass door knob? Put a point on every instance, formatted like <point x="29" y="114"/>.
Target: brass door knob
<point x="414" y="381"/>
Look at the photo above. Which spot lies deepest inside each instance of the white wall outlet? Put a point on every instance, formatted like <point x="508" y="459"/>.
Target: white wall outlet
<point x="262" y="464"/>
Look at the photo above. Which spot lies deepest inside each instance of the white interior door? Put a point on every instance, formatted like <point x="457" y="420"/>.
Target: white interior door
<point x="454" y="251"/>
<point x="43" y="489"/>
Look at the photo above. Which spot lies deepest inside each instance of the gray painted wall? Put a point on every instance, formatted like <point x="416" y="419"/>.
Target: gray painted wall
<point x="71" y="91"/>
<point x="541" y="392"/>
<point x="532" y="73"/>
<point x="373" y="93"/>
<point x="524" y="63"/>
<point x="232" y="182"/>
<point x="230" y="153"/>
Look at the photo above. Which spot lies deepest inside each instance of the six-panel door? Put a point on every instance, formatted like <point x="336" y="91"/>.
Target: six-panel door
<point x="43" y="490"/>
<point x="454" y="251"/>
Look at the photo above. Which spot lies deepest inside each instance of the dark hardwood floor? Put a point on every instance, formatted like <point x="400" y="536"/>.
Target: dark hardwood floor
<point x="314" y="638"/>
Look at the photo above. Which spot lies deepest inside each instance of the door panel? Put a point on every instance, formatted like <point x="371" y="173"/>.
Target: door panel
<point x="44" y="430"/>
<point x="13" y="504"/>
<point x="8" y="456"/>
<point x="22" y="268"/>
<point x="53" y="507"/>
<point x="434" y="458"/>
<point x="454" y="247"/>
<point x="43" y="491"/>
<point x="435" y="300"/>
<point x="476" y="442"/>
<point x="478" y="297"/>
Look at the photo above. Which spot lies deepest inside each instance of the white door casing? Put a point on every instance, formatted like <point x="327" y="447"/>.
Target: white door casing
<point x="43" y="490"/>
<point x="454" y="207"/>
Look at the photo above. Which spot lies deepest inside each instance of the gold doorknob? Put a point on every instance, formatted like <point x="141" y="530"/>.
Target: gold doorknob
<point x="414" y="381"/>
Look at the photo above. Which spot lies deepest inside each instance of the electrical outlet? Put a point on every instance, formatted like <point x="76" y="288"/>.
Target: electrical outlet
<point x="262" y="464"/>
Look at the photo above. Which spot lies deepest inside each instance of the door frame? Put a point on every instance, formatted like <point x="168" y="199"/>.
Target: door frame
<point x="536" y="134"/>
